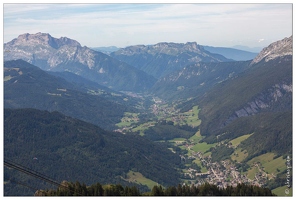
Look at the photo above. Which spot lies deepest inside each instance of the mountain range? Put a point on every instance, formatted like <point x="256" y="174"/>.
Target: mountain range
<point x="248" y="49"/>
<point x="65" y="54"/>
<point x="135" y="68"/>
<point x="106" y="50"/>
<point x="232" y="53"/>
<point x="163" y="58"/>
<point x="195" y="79"/>
<point x="68" y="98"/>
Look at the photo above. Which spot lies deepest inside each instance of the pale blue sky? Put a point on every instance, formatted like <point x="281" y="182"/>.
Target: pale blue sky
<point x="95" y="25"/>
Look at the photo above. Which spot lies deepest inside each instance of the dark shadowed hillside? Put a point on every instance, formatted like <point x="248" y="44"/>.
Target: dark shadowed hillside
<point x="27" y="86"/>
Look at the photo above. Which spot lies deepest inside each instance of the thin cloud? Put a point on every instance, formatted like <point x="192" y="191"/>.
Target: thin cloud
<point x="115" y="24"/>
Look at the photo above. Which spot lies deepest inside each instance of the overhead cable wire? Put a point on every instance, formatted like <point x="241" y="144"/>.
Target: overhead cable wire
<point x="9" y="162"/>
<point x="30" y="172"/>
<point x="23" y="184"/>
<point x="35" y="174"/>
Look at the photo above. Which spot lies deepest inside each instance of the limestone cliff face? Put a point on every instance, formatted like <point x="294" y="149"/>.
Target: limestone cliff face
<point x="43" y="48"/>
<point x="264" y="101"/>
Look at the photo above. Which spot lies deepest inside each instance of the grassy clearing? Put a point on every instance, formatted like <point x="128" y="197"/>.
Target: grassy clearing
<point x="183" y="147"/>
<point x="283" y="191"/>
<point x="177" y="140"/>
<point x="235" y="142"/>
<point x="190" y="117"/>
<point x="252" y="172"/>
<point x="7" y="78"/>
<point x="196" y="138"/>
<point x="264" y="158"/>
<point x="202" y="147"/>
<point x="198" y="162"/>
<point x="239" y="155"/>
<point x="142" y="133"/>
<point x="270" y="165"/>
<point x="137" y="177"/>
<point x="141" y="128"/>
<point x="275" y="166"/>
<point x="207" y="154"/>
<point x="128" y="119"/>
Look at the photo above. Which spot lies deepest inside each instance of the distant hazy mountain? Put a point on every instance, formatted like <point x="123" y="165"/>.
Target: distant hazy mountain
<point x="65" y="54"/>
<point x="105" y="50"/>
<point x="163" y="58"/>
<point x="27" y="86"/>
<point x="249" y="49"/>
<point x="231" y="53"/>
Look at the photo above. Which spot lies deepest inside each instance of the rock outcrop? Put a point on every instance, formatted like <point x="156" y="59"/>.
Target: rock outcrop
<point x="277" y="49"/>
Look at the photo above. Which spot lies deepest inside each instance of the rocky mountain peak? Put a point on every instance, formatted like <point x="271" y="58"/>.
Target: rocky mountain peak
<point x="42" y="48"/>
<point x="193" y="46"/>
<point x="168" y="48"/>
<point x="67" y="41"/>
<point x="42" y="39"/>
<point x="274" y="50"/>
<point x="189" y="46"/>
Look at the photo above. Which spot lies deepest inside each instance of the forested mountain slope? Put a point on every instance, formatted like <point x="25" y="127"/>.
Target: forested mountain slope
<point x="196" y="79"/>
<point x="64" y="148"/>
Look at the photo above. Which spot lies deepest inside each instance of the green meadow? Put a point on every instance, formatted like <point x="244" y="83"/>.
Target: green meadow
<point x="283" y="191"/>
<point x="235" y="142"/>
<point x="137" y="177"/>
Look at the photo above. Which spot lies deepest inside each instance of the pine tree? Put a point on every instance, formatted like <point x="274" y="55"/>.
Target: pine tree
<point x="157" y="191"/>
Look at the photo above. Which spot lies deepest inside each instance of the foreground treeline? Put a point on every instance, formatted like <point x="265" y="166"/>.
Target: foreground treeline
<point x="77" y="189"/>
